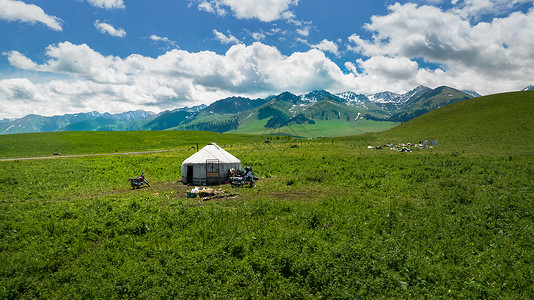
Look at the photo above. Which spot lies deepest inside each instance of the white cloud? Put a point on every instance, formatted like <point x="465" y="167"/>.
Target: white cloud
<point x="264" y="10"/>
<point x="212" y="7"/>
<point x="20" y="61"/>
<point x="398" y="68"/>
<point x="305" y="31"/>
<point x="106" y="28"/>
<point x="225" y="39"/>
<point x="18" y="97"/>
<point x="156" y="38"/>
<point x="475" y="8"/>
<point x="487" y="57"/>
<point x="351" y="67"/>
<point x="12" y="10"/>
<point x="327" y="46"/>
<point x="174" y="79"/>
<point x="78" y="60"/>
<point x="18" y="89"/>
<point x="107" y="4"/>
<point x="301" y="40"/>
<point x="258" y="36"/>
<point x="165" y="40"/>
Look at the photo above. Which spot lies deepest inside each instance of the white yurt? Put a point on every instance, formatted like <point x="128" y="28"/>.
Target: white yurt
<point x="209" y="166"/>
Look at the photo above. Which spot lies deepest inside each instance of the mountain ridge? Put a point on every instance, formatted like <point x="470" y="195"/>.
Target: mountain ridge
<point x="236" y="112"/>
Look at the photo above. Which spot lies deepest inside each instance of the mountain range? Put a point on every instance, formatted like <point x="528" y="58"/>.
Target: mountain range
<point x="317" y="113"/>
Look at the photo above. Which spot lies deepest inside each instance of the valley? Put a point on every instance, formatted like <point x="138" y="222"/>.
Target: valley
<point x="315" y="114"/>
<point x="329" y="218"/>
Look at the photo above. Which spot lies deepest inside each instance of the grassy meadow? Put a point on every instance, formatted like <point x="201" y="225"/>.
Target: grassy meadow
<point x="329" y="128"/>
<point x="329" y="218"/>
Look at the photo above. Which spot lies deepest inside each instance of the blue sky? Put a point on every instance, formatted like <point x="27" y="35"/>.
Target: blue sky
<point x="116" y="55"/>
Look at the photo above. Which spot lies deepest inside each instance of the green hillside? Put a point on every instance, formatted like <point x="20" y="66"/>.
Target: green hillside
<point x="498" y="123"/>
<point x="326" y="117"/>
<point x="427" y="101"/>
<point x="169" y="120"/>
<point x="90" y="125"/>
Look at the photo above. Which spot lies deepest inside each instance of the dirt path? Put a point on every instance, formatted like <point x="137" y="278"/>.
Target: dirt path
<point x="84" y="155"/>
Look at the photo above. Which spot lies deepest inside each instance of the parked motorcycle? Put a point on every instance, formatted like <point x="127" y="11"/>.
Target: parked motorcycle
<point x="241" y="181"/>
<point x="239" y="178"/>
<point x="138" y="182"/>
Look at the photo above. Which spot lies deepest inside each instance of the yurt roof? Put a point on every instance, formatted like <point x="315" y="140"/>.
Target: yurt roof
<point x="211" y="151"/>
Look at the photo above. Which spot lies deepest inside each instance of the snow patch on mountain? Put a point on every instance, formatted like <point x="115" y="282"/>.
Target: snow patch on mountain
<point x="385" y="97"/>
<point x="472" y="93"/>
<point x="352" y="97"/>
<point x="315" y="96"/>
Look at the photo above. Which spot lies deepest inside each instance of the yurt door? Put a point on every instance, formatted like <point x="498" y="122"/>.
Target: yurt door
<point x="212" y="171"/>
<point x="189" y="174"/>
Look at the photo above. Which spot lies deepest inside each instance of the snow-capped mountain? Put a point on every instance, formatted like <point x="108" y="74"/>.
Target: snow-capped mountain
<point x="125" y="116"/>
<point x="394" y="98"/>
<point x="353" y="97"/>
<point x="315" y="96"/>
<point x="190" y="109"/>
<point x="472" y="93"/>
<point x="415" y="93"/>
<point x="385" y="97"/>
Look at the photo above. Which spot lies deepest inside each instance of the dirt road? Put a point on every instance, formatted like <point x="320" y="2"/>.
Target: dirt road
<point x="83" y="155"/>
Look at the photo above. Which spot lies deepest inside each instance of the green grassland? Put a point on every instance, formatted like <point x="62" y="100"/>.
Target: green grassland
<point x="330" y="128"/>
<point x="76" y="143"/>
<point x="329" y="218"/>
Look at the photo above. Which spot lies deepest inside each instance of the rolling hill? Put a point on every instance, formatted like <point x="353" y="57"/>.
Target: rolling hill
<point x="173" y="118"/>
<point x="426" y="100"/>
<point x="494" y="123"/>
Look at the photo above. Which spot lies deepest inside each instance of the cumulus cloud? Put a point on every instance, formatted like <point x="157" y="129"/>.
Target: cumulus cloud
<point x="171" y="80"/>
<point x="397" y="68"/>
<point x="18" y="89"/>
<point x="263" y="10"/>
<point x="12" y="10"/>
<point x="73" y="96"/>
<point x="107" y="4"/>
<point x="225" y="39"/>
<point x="20" y="61"/>
<point x="468" y="55"/>
<point x="106" y="28"/>
<point x="327" y="46"/>
<point x="77" y="60"/>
